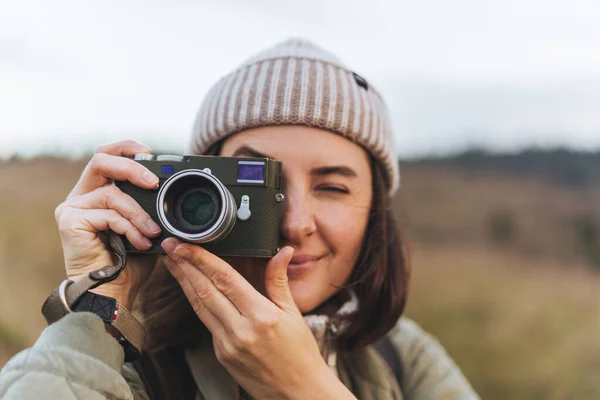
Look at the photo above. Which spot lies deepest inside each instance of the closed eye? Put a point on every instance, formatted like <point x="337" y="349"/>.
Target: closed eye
<point x="335" y="189"/>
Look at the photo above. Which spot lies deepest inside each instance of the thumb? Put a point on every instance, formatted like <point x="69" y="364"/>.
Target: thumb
<point x="276" y="279"/>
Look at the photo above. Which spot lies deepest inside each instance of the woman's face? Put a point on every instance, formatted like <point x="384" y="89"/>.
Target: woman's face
<point x="328" y="189"/>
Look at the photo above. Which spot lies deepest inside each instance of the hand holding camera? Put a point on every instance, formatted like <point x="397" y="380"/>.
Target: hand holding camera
<point x="94" y="205"/>
<point x="230" y="206"/>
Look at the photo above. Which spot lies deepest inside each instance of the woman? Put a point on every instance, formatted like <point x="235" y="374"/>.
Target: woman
<point x="301" y="325"/>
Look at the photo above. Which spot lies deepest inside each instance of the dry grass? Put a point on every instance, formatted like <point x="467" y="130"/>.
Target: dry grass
<point x="522" y="319"/>
<point x="519" y="327"/>
<point x="30" y="253"/>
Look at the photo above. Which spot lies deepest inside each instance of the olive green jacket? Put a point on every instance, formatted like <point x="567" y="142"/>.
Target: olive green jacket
<point x="75" y="358"/>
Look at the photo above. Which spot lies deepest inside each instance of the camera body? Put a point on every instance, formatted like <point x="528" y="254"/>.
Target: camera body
<point x="231" y="206"/>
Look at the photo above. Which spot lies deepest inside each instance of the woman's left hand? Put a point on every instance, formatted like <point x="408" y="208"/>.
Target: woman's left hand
<point x="264" y="343"/>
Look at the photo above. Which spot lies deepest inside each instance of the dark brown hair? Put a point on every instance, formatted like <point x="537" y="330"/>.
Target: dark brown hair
<point x="379" y="279"/>
<point x="381" y="274"/>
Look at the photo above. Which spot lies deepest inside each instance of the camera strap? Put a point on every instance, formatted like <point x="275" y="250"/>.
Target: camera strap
<point x="75" y="296"/>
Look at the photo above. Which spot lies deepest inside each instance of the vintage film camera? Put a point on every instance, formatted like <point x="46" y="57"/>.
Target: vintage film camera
<point x="231" y="206"/>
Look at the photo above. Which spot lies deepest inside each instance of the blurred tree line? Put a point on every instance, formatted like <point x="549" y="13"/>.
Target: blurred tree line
<point x="573" y="170"/>
<point x="562" y="166"/>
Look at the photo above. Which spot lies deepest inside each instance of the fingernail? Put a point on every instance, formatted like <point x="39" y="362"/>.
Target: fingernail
<point x="182" y="252"/>
<point x="150" y="178"/>
<point x="169" y="245"/>
<point x="147" y="241"/>
<point x="153" y="226"/>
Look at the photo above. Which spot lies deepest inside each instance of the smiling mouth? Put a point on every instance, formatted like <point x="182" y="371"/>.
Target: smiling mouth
<point x="301" y="264"/>
<point x="303" y="259"/>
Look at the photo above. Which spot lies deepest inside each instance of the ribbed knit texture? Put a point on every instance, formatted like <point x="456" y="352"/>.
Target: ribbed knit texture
<point x="297" y="83"/>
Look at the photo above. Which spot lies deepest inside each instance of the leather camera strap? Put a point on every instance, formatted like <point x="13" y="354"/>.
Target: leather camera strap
<point x="75" y="295"/>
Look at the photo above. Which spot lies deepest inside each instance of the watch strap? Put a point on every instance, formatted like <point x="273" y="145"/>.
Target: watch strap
<point x="75" y="296"/>
<point x="116" y="314"/>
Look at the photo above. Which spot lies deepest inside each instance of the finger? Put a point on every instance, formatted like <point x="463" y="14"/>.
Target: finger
<point x="125" y="148"/>
<point x="104" y="168"/>
<point x="276" y="280"/>
<point x="224" y="277"/>
<point x="206" y="291"/>
<point x="102" y="220"/>
<point x="205" y="315"/>
<point x="111" y="197"/>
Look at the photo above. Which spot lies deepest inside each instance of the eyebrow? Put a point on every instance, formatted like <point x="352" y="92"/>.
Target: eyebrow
<point x="251" y="152"/>
<point x="334" y="170"/>
<point x="320" y="171"/>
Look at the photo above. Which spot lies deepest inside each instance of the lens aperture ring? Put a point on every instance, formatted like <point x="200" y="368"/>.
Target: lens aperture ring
<point x="227" y="215"/>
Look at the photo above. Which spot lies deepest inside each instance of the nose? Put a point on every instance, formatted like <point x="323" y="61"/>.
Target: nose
<point x="298" y="218"/>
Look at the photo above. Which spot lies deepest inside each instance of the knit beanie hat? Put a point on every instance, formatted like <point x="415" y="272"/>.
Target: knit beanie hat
<point x="298" y="83"/>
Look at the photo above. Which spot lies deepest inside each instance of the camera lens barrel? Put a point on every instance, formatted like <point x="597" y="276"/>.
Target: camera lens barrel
<point x="195" y="206"/>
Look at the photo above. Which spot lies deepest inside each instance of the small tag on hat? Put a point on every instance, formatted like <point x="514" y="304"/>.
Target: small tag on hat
<point x="360" y="81"/>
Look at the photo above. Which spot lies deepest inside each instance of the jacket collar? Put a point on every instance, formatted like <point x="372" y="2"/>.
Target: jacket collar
<point x="212" y="379"/>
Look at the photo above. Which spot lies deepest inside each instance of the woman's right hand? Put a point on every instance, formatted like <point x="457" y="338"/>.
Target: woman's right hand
<point x="95" y="204"/>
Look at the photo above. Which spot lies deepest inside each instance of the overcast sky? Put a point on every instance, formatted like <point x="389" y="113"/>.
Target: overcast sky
<point x="497" y="73"/>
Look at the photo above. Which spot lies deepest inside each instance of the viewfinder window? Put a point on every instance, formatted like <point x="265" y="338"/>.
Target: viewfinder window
<point x="251" y="172"/>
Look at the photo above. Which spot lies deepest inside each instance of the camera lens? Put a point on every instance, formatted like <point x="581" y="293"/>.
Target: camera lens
<point x="195" y="206"/>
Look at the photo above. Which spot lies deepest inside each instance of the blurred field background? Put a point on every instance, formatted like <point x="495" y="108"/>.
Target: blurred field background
<point x="505" y="251"/>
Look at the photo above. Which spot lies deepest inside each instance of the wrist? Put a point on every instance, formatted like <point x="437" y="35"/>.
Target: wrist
<point x="330" y="387"/>
<point x="121" y="289"/>
<point x="339" y="391"/>
<point x="325" y="385"/>
<point x="118" y="320"/>
<point x="122" y="295"/>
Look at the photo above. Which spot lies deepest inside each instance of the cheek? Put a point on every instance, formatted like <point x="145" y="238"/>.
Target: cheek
<point x="343" y="228"/>
<point x="343" y="231"/>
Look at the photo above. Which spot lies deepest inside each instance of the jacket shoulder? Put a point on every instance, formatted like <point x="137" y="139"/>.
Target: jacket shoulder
<point x="428" y="370"/>
<point x="73" y="357"/>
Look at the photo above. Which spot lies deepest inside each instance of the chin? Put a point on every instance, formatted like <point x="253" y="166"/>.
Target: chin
<point x="307" y="296"/>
